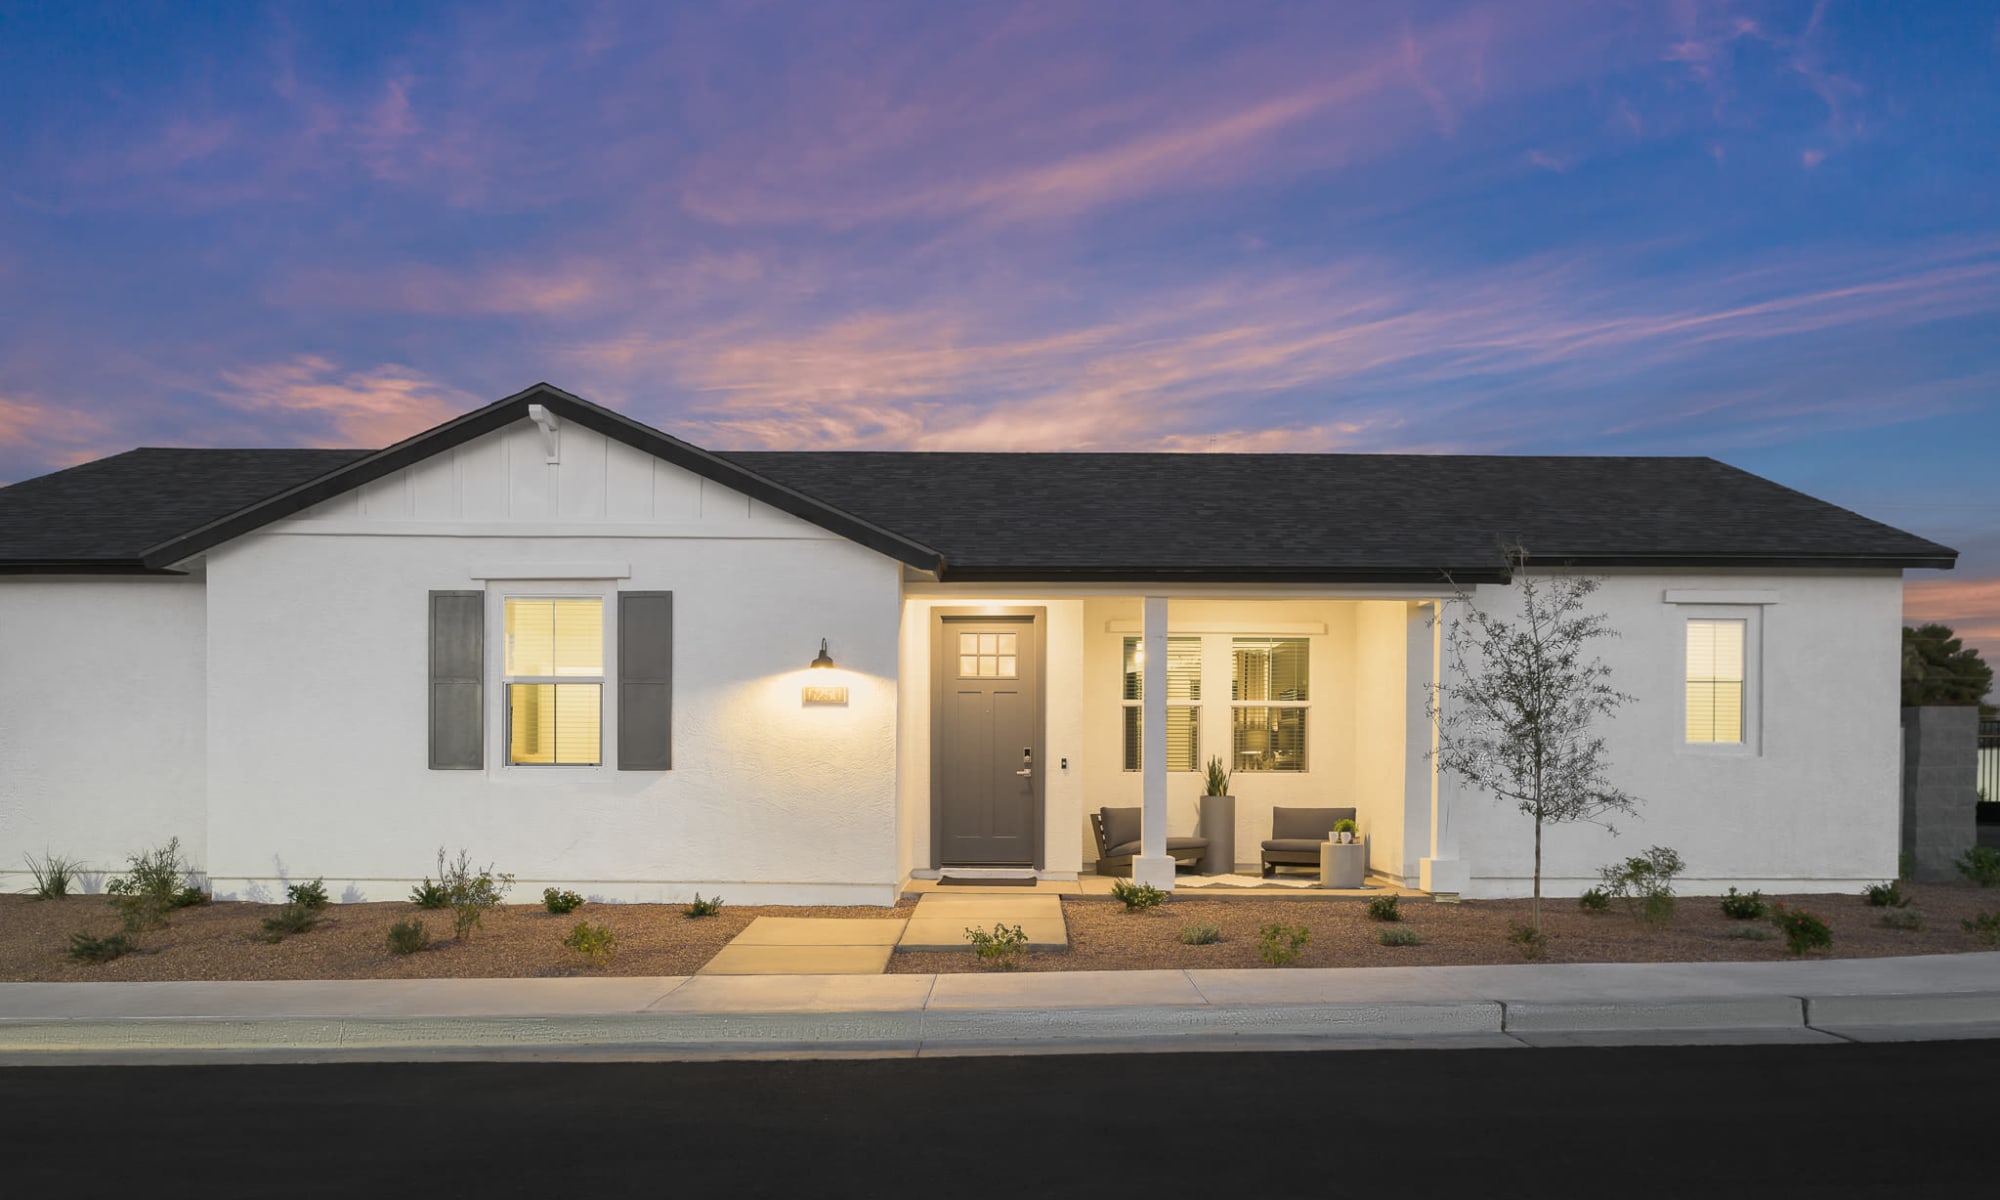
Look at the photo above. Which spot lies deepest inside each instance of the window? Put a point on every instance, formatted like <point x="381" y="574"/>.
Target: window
<point x="1715" y="677"/>
<point x="1269" y="694"/>
<point x="554" y="681"/>
<point x="988" y="655"/>
<point x="1183" y="703"/>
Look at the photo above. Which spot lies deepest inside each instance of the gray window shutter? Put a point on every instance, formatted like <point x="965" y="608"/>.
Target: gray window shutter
<point x="458" y="681"/>
<point x="645" y="680"/>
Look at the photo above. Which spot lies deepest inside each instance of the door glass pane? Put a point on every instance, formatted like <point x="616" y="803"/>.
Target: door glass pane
<point x="988" y="655"/>
<point x="968" y="643"/>
<point x="1006" y="643"/>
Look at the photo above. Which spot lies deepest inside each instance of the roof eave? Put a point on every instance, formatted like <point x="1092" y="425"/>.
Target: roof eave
<point x="1426" y="576"/>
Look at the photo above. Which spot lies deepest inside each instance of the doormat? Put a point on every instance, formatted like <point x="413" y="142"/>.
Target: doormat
<point x="1004" y="881"/>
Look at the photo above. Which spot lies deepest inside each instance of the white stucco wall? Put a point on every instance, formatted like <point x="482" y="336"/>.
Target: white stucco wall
<point x="317" y="638"/>
<point x="101" y="720"/>
<point x="1813" y="807"/>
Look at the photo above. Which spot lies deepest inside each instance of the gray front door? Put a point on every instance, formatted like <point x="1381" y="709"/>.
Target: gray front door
<point x="987" y="769"/>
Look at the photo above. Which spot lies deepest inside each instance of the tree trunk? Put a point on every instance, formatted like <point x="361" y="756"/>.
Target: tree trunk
<point x="1538" y="876"/>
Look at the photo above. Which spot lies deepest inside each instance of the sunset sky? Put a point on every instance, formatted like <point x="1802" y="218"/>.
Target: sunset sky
<point x="1764" y="232"/>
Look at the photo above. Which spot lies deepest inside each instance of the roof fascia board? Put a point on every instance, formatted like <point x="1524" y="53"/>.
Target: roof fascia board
<point x="507" y="411"/>
<point x="1410" y="575"/>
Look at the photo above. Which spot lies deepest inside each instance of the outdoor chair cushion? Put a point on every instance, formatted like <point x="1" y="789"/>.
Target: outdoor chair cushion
<point x="1121" y="825"/>
<point x="1296" y="845"/>
<point x="1173" y="844"/>
<point x="1313" y="824"/>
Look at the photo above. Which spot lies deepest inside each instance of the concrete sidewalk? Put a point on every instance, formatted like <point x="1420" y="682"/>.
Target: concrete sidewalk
<point x="906" y="1015"/>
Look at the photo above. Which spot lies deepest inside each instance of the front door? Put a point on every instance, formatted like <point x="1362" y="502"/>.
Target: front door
<point x="986" y="762"/>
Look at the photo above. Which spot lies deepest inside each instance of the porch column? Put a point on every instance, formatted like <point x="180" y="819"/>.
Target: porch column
<point x="1441" y="872"/>
<point x="1153" y="864"/>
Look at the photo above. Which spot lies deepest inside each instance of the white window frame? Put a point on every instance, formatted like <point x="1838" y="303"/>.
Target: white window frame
<point x="498" y="592"/>
<point x="1312" y="685"/>
<point x="1752" y="616"/>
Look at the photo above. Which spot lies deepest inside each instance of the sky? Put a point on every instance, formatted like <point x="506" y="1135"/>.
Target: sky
<point x="1766" y="232"/>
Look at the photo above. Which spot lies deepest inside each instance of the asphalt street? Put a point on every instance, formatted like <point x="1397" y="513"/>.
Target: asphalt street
<point x="1781" y="1121"/>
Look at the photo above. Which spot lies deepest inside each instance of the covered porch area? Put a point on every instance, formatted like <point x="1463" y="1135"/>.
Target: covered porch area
<point x="1026" y="710"/>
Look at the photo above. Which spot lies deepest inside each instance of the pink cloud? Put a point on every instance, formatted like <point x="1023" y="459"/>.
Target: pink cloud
<point x="1970" y="606"/>
<point x="61" y="436"/>
<point x="371" y="407"/>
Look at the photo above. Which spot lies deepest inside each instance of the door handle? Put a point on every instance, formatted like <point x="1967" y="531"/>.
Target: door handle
<point x="1027" y="762"/>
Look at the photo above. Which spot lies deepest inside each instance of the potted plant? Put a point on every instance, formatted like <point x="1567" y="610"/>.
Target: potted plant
<point x="1217" y="822"/>
<point x="1343" y="831"/>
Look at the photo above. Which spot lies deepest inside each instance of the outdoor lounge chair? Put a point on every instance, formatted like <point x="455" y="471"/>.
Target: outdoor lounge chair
<point x="1117" y="833"/>
<point x="1296" y="835"/>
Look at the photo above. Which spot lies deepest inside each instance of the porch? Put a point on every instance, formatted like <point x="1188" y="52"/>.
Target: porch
<point x="1023" y="711"/>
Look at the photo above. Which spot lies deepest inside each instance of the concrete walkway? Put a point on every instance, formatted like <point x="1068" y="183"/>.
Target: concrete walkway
<point x="712" y="1016"/>
<point x="862" y="945"/>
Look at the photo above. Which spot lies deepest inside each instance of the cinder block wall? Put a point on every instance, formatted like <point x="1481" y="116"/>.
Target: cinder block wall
<point x="1940" y="778"/>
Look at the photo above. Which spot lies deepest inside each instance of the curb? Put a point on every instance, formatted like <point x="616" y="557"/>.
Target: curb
<point x="945" y="1030"/>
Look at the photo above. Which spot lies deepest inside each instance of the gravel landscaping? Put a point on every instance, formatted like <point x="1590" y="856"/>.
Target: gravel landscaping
<point x="1104" y="937"/>
<point x="222" y="941"/>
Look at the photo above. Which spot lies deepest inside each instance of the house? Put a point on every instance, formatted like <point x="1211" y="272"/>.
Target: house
<point x="604" y="658"/>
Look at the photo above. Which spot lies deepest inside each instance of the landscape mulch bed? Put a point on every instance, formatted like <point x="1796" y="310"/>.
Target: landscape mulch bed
<point x="1104" y="937"/>
<point x="221" y="941"/>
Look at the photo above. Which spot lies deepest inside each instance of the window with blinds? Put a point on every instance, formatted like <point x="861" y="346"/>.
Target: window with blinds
<point x="1270" y="693"/>
<point x="554" y="680"/>
<point x="1183" y="703"/>
<point x="1715" y="681"/>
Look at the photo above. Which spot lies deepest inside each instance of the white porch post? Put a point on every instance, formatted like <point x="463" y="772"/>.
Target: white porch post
<point x="1441" y="872"/>
<point x="1153" y="864"/>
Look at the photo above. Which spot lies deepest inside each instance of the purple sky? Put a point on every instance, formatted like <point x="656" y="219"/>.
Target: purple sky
<point x="1765" y="232"/>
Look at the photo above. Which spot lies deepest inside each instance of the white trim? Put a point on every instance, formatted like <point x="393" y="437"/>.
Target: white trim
<point x="354" y="527"/>
<point x="1713" y="596"/>
<point x="549" y="570"/>
<point x="1290" y="628"/>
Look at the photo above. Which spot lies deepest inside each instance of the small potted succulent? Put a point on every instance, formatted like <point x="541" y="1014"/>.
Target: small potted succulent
<point x="1343" y="831"/>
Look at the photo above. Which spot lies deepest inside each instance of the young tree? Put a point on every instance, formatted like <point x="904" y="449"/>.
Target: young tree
<point x="1940" y="669"/>
<point x="1516" y="708"/>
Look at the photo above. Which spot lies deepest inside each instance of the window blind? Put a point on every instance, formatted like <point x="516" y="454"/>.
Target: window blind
<point x="1715" y="681"/>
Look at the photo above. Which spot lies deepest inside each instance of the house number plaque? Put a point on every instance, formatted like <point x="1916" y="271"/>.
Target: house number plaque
<point x="825" y="695"/>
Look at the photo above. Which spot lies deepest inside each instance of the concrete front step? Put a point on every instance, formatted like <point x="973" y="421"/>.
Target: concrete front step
<point x="940" y="920"/>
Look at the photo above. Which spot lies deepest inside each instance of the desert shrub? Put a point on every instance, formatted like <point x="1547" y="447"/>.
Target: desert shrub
<point x="1985" y="927"/>
<point x="1201" y="933"/>
<point x="1884" y="895"/>
<point x="468" y="892"/>
<point x="1528" y="940"/>
<point x="1751" y="933"/>
<point x="408" y="937"/>
<point x="155" y="883"/>
<point x="1980" y="864"/>
<point x="428" y="895"/>
<point x="310" y="896"/>
<point x="1903" y="918"/>
<point x="292" y="917"/>
<point x="1594" y="901"/>
<point x="703" y="908"/>
<point x="1399" y="935"/>
<point x="1002" y="948"/>
<point x="85" y="948"/>
<point x="1739" y="907"/>
<point x="1137" y="897"/>
<point x="560" y="901"/>
<point x="1383" y="908"/>
<point x="1282" y="944"/>
<point x="594" y="942"/>
<point x="53" y="874"/>
<point x="1645" y="883"/>
<point x="1804" y="931"/>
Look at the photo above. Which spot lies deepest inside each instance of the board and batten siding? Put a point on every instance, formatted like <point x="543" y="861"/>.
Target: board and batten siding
<point x="320" y="653"/>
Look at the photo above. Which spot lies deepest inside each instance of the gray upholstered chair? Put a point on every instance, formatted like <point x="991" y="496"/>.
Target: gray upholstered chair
<point x="1296" y="835"/>
<point x="1117" y="833"/>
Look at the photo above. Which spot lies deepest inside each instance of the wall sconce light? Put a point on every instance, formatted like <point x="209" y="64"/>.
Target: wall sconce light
<point x="825" y="660"/>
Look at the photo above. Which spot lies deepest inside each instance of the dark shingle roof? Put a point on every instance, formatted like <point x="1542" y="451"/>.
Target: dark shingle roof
<point x="1020" y="516"/>
<point x="104" y="514"/>
<point x="1273" y="517"/>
